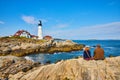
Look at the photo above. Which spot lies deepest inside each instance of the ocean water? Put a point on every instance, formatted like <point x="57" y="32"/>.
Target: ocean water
<point x="111" y="47"/>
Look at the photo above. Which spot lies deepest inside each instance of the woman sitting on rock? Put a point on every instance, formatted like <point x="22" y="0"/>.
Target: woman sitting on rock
<point x="87" y="53"/>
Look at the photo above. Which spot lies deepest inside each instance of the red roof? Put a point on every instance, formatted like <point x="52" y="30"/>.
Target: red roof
<point x="47" y="37"/>
<point x="18" y="33"/>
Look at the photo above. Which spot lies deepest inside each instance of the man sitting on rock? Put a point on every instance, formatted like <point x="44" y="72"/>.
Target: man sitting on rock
<point x="98" y="53"/>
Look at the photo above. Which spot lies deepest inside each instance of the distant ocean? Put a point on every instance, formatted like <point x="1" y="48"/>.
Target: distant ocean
<point x="111" y="47"/>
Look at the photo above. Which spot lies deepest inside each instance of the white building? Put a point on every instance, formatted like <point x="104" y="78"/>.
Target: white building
<point x="23" y="33"/>
<point x="40" y="30"/>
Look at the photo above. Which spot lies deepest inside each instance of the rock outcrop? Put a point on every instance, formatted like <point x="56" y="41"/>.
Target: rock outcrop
<point x="25" y="46"/>
<point x="74" y="69"/>
<point x="12" y="65"/>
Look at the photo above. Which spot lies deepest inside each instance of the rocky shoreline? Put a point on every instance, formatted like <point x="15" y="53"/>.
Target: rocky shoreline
<point x="16" y="46"/>
<point x="16" y="68"/>
<point x="24" y="46"/>
<point x="12" y="65"/>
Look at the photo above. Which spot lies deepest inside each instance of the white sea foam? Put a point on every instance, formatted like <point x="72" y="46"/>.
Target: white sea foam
<point x="28" y="58"/>
<point x="55" y="53"/>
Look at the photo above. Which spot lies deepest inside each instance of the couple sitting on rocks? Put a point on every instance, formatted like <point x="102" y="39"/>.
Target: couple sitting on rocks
<point x="98" y="53"/>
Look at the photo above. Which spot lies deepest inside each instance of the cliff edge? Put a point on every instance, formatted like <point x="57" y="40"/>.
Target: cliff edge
<point x="74" y="69"/>
<point x="24" y="46"/>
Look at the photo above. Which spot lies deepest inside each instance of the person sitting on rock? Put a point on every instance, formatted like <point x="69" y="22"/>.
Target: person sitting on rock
<point x="87" y="53"/>
<point x="98" y="53"/>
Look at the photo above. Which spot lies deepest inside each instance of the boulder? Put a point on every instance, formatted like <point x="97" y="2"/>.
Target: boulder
<point x="12" y="65"/>
<point x="74" y="69"/>
<point x="15" y="48"/>
<point x="7" y="50"/>
<point x="64" y="43"/>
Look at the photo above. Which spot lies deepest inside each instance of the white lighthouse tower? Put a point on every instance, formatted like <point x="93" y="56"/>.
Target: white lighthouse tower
<point x="40" y="30"/>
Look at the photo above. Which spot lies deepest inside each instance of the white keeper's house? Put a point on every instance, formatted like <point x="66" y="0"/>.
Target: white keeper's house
<point x="24" y="33"/>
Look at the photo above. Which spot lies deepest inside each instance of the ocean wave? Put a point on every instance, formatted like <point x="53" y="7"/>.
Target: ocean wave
<point x="55" y="53"/>
<point x="28" y="58"/>
<point x="58" y="53"/>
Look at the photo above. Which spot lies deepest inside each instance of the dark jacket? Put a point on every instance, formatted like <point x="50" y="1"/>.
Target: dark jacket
<point x="86" y="54"/>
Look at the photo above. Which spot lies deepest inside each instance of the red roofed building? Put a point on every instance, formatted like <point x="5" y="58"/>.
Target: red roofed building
<point x="23" y="33"/>
<point x="47" y="37"/>
<point x="34" y="37"/>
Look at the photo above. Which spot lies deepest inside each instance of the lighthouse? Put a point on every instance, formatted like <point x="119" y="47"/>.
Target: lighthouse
<point x="40" y="30"/>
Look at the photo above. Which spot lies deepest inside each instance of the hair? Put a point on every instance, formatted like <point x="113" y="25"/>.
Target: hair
<point x="87" y="48"/>
<point x="98" y="45"/>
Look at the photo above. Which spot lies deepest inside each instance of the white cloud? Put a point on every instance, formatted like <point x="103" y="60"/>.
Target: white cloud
<point x="29" y="19"/>
<point x="32" y="20"/>
<point x="1" y="22"/>
<point x="103" y="31"/>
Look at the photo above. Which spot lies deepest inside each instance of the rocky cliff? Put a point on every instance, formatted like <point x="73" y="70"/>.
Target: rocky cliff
<point x="24" y="46"/>
<point x="74" y="69"/>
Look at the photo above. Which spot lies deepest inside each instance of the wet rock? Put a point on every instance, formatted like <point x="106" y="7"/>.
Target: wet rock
<point x="48" y="62"/>
<point x="36" y="64"/>
<point x="25" y="69"/>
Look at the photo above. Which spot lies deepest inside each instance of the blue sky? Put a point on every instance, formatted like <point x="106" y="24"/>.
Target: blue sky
<point x="67" y="19"/>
